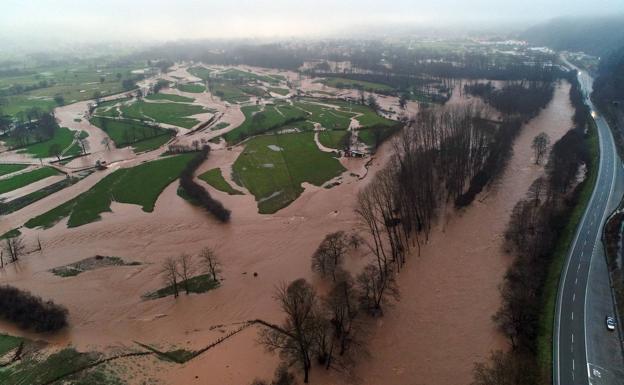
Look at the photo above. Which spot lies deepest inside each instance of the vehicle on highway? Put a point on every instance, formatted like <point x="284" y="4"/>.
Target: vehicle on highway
<point x="610" y="323"/>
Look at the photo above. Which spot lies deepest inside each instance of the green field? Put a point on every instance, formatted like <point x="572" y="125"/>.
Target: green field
<point x="367" y="117"/>
<point x="357" y="84"/>
<point x="215" y="178"/>
<point x="151" y="143"/>
<point x="131" y="132"/>
<point x="11" y="168"/>
<point x="279" y="91"/>
<point x="192" y="87"/>
<point x="327" y="117"/>
<point x="229" y="92"/>
<point x="273" y="167"/>
<point x="332" y="139"/>
<point x="259" y="121"/>
<point x="62" y="136"/>
<point x="140" y="185"/>
<point x="244" y="76"/>
<point x="24" y="179"/>
<point x="176" y="114"/>
<point x="200" y="72"/>
<point x="170" y="97"/>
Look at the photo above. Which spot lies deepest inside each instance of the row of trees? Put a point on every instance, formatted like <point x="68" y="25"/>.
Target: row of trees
<point x="198" y="193"/>
<point x="177" y="271"/>
<point x="522" y="97"/>
<point x="535" y="226"/>
<point x="31" y="312"/>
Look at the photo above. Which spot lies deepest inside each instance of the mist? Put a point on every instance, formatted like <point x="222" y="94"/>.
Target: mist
<point x="70" y="21"/>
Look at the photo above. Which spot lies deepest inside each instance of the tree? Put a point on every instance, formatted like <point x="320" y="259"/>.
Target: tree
<point x="328" y="258"/>
<point x="403" y="101"/>
<point x="210" y="262"/>
<point x="56" y="150"/>
<point x="118" y="76"/>
<point x="102" y="79"/>
<point x="342" y="306"/>
<point x="14" y="247"/>
<point x="186" y="270"/>
<point x="376" y="285"/>
<point x="170" y="274"/>
<point x="294" y="339"/>
<point x="540" y="146"/>
<point x="59" y="99"/>
<point x="372" y="103"/>
<point x="506" y="369"/>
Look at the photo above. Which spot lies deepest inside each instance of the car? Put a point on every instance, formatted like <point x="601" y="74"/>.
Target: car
<point x="610" y="323"/>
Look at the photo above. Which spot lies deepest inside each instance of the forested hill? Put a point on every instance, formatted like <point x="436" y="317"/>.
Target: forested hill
<point x="593" y="35"/>
<point x="609" y="85"/>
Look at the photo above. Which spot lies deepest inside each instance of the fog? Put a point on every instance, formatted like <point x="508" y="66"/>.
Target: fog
<point x="157" y="20"/>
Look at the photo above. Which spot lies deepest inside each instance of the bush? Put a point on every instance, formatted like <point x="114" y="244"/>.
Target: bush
<point x="31" y="312"/>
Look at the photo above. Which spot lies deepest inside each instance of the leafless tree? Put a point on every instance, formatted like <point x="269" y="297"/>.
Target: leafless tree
<point x="14" y="247"/>
<point x="540" y="146"/>
<point x="376" y="286"/>
<point x="295" y="338"/>
<point x="210" y="262"/>
<point x="186" y="270"/>
<point x="170" y="273"/>
<point x="328" y="258"/>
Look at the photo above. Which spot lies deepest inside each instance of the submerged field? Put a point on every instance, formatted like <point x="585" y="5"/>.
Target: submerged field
<point x="140" y="185"/>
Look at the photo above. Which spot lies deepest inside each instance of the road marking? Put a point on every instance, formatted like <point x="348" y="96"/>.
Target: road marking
<point x="572" y="320"/>
<point x="576" y="280"/>
<point x="573" y="366"/>
<point x="572" y="338"/>
<point x="573" y="297"/>
<point x="579" y="267"/>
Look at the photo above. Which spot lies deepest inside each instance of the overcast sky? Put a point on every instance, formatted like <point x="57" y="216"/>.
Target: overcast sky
<point x="176" y="19"/>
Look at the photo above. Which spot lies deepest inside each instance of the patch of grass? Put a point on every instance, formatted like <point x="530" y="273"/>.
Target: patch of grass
<point x="198" y="284"/>
<point x="128" y="132"/>
<point x="151" y="143"/>
<point x="176" y="114"/>
<point x="373" y="137"/>
<point x="170" y="97"/>
<point x="259" y="121"/>
<point x="6" y="169"/>
<point x="366" y="116"/>
<point x="273" y="167"/>
<point x="551" y="286"/>
<point x="8" y="343"/>
<point x="56" y="366"/>
<point x="219" y="126"/>
<point x="332" y="138"/>
<point x="201" y="72"/>
<point x="11" y="234"/>
<point x="357" y="84"/>
<point x="140" y="185"/>
<point x="24" y="179"/>
<point x="23" y="201"/>
<point x="195" y="88"/>
<point x="327" y="117"/>
<point x="88" y="264"/>
<point x="215" y="178"/>
<point x="228" y="92"/>
<point x="62" y="136"/>
<point x="245" y="76"/>
<point x="279" y="91"/>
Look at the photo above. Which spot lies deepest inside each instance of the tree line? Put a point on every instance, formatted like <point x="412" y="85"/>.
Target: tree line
<point x="197" y="192"/>
<point x="536" y="225"/>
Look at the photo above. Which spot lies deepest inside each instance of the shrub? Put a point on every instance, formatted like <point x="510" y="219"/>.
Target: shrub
<point x="31" y="312"/>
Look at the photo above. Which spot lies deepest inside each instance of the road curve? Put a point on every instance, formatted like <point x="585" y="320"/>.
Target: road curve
<point x="584" y="351"/>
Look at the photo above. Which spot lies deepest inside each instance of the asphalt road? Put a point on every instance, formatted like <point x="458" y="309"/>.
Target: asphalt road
<point x="585" y="352"/>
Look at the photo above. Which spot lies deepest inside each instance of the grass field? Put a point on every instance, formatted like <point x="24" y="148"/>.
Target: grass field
<point x="62" y="136"/>
<point x="25" y="200"/>
<point x="8" y="343"/>
<point x="332" y="139"/>
<point x="198" y="284"/>
<point x="229" y="92"/>
<point x="327" y="117"/>
<point x="176" y="114"/>
<point x="24" y="179"/>
<point x="170" y="97"/>
<point x="151" y="143"/>
<point x="140" y="185"/>
<point x="131" y="132"/>
<point x="6" y="169"/>
<point x="200" y="72"/>
<point x="273" y="167"/>
<point x="215" y="178"/>
<point x="357" y="84"/>
<point x="192" y="87"/>
<point x="258" y="122"/>
<point x="240" y="75"/>
<point x="367" y="117"/>
<point x="279" y="91"/>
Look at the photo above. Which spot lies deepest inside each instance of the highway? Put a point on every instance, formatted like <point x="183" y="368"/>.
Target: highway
<point x="584" y="351"/>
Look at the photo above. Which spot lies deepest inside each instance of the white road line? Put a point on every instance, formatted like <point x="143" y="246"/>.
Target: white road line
<point x="573" y="365"/>
<point x="572" y="320"/>
<point x="576" y="280"/>
<point x="573" y="297"/>
<point x="573" y="338"/>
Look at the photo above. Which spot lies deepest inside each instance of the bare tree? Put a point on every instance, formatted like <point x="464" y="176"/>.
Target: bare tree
<point x="210" y="262"/>
<point x="342" y="305"/>
<point x="170" y="274"/>
<point x="186" y="270"/>
<point x="328" y="257"/>
<point x="376" y="286"/>
<point x="540" y="146"/>
<point x="295" y="338"/>
<point x="14" y="247"/>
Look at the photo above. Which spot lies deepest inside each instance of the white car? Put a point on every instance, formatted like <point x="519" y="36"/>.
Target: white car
<point x="610" y="323"/>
